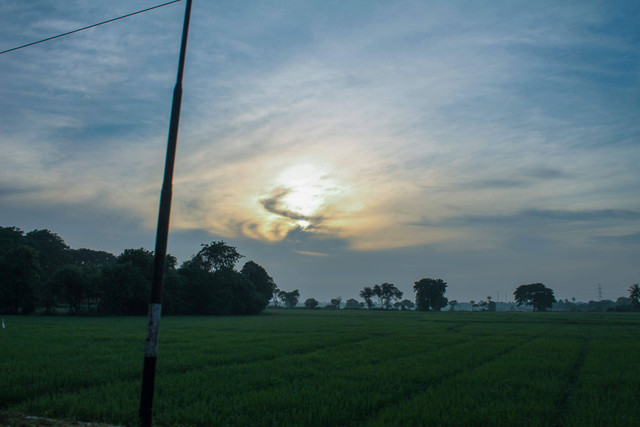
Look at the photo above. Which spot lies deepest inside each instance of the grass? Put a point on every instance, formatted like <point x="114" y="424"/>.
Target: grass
<point x="316" y="368"/>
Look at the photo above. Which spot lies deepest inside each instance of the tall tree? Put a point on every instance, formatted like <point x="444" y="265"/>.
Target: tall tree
<point x="634" y="296"/>
<point x="276" y="298"/>
<point x="367" y="294"/>
<point x="127" y="284"/>
<point x="19" y="276"/>
<point x="84" y="257"/>
<point x="389" y="293"/>
<point x="10" y="238"/>
<point x="73" y="286"/>
<point x="173" y="295"/>
<point x="211" y="285"/>
<point x="491" y="305"/>
<point x="377" y="292"/>
<point x="430" y="294"/>
<point x="353" y="304"/>
<point x="93" y="276"/>
<point x="217" y="255"/>
<point x="52" y="255"/>
<point x="261" y="279"/>
<point x="202" y="295"/>
<point x="289" y="299"/>
<point x="311" y="303"/>
<point x="141" y="259"/>
<point x="536" y="295"/>
<point x="406" y="304"/>
<point x="245" y="298"/>
<point x="52" y="249"/>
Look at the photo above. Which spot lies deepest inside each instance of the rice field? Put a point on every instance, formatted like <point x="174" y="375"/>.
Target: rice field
<point x="319" y="368"/>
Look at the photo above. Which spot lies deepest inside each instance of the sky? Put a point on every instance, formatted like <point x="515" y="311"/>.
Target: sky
<point x="339" y="144"/>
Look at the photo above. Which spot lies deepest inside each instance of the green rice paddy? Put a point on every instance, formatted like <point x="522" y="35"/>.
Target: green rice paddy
<point x="319" y="368"/>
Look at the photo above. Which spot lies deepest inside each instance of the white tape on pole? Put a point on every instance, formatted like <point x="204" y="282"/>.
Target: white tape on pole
<point x="151" y="349"/>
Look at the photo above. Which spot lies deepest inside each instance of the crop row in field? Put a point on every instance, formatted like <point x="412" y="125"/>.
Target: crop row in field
<point x="339" y="367"/>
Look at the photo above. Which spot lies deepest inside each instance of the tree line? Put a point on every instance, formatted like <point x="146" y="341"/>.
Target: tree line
<point x="39" y="272"/>
<point x="430" y="297"/>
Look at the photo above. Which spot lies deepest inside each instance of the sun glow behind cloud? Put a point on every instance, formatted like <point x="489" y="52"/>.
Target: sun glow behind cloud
<point x="306" y="189"/>
<point x="362" y="199"/>
<point x="296" y="194"/>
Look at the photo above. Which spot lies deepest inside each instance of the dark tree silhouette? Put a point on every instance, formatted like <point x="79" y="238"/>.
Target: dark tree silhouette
<point x="52" y="255"/>
<point x="211" y="285"/>
<point x="430" y="294"/>
<point x="389" y="293"/>
<point x="53" y="249"/>
<point x="491" y="305"/>
<point x="353" y="304"/>
<point x="217" y="255"/>
<point x="19" y="277"/>
<point x="10" y="238"/>
<point x="201" y="295"/>
<point x="406" y="304"/>
<point x="336" y="302"/>
<point x="634" y="296"/>
<point x="367" y="294"/>
<point x="246" y="299"/>
<point x="84" y="257"/>
<point x="311" y="303"/>
<point x="73" y="286"/>
<point x="94" y="279"/>
<point x="38" y="270"/>
<point x="276" y="297"/>
<point x="263" y="282"/>
<point x="289" y="299"/>
<point x="127" y="284"/>
<point x="536" y="295"/>
<point x="377" y="291"/>
<point x="141" y="258"/>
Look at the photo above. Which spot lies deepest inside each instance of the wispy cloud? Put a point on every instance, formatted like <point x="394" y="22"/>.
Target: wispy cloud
<point x="312" y="253"/>
<point x="537" y="216"/>
<point x="626" y="239"/>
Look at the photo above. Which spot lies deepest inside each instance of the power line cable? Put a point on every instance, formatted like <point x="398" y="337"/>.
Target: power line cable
<point x="90" y="26"/>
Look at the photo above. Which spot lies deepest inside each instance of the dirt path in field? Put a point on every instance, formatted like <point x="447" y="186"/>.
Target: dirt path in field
<point x="20" y="420"/>
<point x="564" y="401"/>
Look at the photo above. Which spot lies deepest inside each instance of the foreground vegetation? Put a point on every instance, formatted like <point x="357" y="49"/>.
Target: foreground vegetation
<point x="304" y="367"/>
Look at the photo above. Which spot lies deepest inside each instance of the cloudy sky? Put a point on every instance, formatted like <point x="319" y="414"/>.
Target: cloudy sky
<point x="339" y="144"/>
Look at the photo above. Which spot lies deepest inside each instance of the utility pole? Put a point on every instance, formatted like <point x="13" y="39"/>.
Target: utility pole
<point x="599" y="291"/>
<point x="162" y="235"/>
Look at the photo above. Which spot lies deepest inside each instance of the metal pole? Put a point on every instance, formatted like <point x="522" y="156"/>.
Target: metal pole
<point x="162" y="234"/>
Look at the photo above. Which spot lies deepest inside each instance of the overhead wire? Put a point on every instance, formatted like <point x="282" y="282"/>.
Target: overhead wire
<point x="89" y="26"/>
